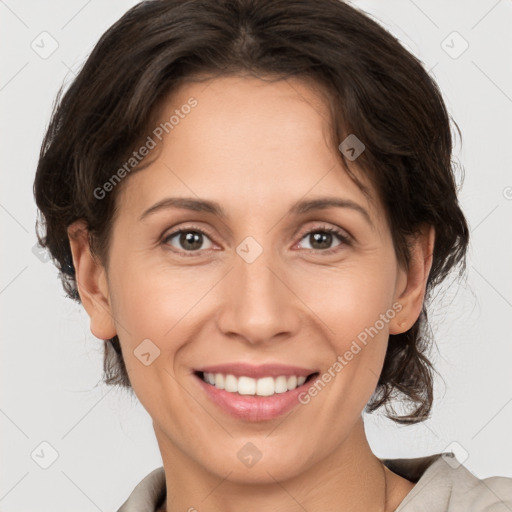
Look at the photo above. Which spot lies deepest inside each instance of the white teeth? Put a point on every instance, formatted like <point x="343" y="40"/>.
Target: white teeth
<point x="266" y="386"/>
<point x="246" y="386"/>
<point x="219" y="380"/>
<point x="280" y="385"/>
<point x="292" y="382"/>
<point x="231" y="384"/>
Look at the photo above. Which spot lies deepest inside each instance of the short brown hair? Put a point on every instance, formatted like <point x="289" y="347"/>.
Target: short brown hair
<point x="379" y="91"/>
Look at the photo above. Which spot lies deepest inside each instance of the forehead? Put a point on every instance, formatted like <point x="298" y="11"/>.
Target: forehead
<point x="258" y="140"/>
<point x="279" y="113"/>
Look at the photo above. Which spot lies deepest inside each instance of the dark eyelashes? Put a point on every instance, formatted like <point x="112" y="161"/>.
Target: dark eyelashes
<point x="341" y="235"/>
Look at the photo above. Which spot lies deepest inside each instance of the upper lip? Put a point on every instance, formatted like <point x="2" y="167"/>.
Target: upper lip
<point x="257" y="371"/>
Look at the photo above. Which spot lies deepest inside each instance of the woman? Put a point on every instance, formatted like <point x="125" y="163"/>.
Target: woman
<point x="252" y="200"/>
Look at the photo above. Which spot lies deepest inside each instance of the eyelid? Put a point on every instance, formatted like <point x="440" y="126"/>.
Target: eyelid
<point x="342" y="233"/>
<point x="345" y="238"/>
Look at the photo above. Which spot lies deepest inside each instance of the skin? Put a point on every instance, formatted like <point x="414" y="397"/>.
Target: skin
<point x="256" y="148"/>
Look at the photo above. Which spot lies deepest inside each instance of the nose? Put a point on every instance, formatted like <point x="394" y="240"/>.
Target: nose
<point x="258" y="303"/>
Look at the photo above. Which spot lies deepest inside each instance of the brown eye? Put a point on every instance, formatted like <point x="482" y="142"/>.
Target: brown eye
<point x="321" y="239"/>
<point x="188" y="240"/>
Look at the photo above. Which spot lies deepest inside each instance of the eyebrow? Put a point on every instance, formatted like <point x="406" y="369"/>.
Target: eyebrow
<point x="214" y="208"/>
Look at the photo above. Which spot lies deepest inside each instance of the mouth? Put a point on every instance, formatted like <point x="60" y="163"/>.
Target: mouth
<point x="252" y="393"/>
<point x="249" y="386"/>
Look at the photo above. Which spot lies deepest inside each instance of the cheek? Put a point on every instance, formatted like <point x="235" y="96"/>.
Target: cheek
<point x="150" y="311"/>
<point x="165" y="306"/>
<point x="356" y="307"/>
<point x="350" y="298"/>
<point x="150" y="301"/>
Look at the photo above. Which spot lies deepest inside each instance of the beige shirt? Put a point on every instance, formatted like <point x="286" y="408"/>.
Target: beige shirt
<point x="442" y="485"/>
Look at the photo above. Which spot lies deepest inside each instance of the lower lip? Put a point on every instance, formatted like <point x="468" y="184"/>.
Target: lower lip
<point x="254" y="408"/>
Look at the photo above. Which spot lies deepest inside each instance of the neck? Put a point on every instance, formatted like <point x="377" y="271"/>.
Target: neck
<point x="350" y="478"/>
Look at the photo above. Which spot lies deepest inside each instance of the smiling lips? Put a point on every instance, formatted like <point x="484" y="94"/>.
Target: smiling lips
<point x="254" y="393"/>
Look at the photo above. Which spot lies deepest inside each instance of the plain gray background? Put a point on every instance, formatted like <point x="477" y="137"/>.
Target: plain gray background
<point x="102" y="440"/>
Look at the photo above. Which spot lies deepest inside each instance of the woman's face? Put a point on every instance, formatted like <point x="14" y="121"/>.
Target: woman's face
<point x="250" y="286"/>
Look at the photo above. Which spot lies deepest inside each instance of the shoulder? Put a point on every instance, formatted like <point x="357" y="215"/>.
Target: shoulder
<point x="148" y="495"/>
<point x="443" y="484"/>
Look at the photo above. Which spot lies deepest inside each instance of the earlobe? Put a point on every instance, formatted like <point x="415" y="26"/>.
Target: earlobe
<point x="91" y="282"/>
<point x="411" y="294"/>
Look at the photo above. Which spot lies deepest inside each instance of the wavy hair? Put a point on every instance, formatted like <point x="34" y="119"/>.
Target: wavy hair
<point x="376" y="89"/>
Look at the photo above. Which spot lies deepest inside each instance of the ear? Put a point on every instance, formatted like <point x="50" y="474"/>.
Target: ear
<point x="412" y="283"/>
<point x="91" y="280"/>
